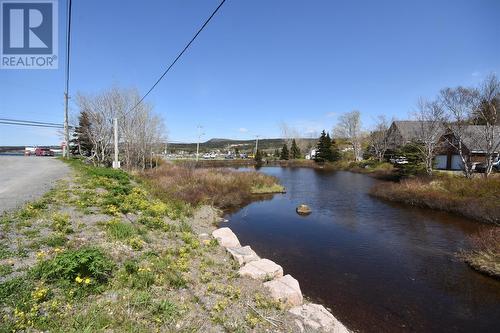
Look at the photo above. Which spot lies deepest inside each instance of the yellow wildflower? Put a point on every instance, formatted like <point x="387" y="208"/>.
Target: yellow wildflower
<point x="78" y="279"/>
<point x="87" y="280"/>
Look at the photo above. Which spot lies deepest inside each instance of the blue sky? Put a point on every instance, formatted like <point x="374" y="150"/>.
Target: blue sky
<point x="260" y="63"/>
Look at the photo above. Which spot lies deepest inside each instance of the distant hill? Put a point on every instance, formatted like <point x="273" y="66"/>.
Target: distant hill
<point x="230" y="144"/>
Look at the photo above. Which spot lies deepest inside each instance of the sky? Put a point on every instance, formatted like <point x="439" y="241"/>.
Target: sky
<point x="259" y="63"/>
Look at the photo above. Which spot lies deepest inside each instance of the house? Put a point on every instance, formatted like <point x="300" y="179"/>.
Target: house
<point x="311" y="154"/>
<point x="403" y="132"/>
<point x="448" y="157"/>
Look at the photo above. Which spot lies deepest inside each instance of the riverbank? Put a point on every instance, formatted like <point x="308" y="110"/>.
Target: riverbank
<point x="100" y="252"/>
<point x="475" y="198"/>
<point x="380" y="170"/>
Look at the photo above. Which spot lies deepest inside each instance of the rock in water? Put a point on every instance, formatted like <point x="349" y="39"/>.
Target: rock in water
<point x="303" y="209"/>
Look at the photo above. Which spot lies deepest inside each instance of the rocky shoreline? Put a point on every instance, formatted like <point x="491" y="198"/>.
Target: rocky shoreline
<point x="282" y="288"/>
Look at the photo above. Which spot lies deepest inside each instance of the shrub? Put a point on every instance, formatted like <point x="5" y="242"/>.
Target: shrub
<point x="88" y="262"/>
<point x="61" y="223"/>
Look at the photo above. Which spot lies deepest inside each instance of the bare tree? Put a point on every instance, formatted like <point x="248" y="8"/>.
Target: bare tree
<point x="487" y="115"/>
<point x="349" y="127"/>
<point x="430" y="128"/>
<point x="289" y="133"/>
<point x="378" y="138"/>
<point x="140" y="130"/>
<point x="460" y="104"/>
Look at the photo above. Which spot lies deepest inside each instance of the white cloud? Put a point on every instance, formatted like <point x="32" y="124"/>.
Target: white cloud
<point x="243" y="130"/>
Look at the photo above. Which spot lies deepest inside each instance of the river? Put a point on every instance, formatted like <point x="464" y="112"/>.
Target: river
<point x="379" y="267"/>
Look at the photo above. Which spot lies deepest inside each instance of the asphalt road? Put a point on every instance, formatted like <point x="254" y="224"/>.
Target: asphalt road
<point x="24" y="179"/>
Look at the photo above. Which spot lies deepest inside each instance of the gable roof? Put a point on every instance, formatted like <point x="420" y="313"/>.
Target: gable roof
<point x="475" y="138"/>
<point x="410" y="129"/>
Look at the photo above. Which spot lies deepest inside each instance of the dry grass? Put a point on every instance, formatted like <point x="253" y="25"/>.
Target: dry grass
<point x="222" y="188"/>
<point x="485" y="253"/>
<point x="477" y="198"/>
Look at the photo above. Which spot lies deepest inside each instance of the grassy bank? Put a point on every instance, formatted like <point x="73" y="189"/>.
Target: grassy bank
<point x="219" y="187"/>
<point x="476" y="198"/>
<point x="485" y="253"/>
<point x="100" y="253"/>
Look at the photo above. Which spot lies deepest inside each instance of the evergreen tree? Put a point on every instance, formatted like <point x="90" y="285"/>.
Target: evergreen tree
<point x="284" y="153"/>
<point x="294" y="150"/>
<point x="322" y="153"/>
<point x="237" y="152"/>
<point x="258" y="157"/>
<point x="335" y="151"/>
<point x="81" y="144"/>
<point x="277" y="153"/>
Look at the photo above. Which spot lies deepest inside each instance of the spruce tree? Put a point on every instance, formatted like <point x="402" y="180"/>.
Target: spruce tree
<point x="335" y="151"/>
<point x="284" y="153"/>
<point x="81" y="144"/>
<point x="258" y="157"/>
<point x="294" y="150"/>
<point x="321" y="154"/>
<point x="277" y="153"/>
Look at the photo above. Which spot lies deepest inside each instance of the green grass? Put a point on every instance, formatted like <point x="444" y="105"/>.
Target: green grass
<point x="119" y="230"/>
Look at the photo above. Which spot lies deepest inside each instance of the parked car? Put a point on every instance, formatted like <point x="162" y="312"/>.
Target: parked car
<point x="43" y="152"/>
<point x="399" y="160"/>
<point x="496" y="166"/>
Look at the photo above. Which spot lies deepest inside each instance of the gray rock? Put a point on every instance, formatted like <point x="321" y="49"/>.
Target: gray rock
<point x="316" y="317"/>
<point x="263" y="269"/>
<point x="226" y="237"/>
<point x="285" y="289"/>
<point x="243" y="255"/>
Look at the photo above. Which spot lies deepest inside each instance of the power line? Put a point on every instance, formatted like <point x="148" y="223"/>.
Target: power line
<point x="30" y="121"/>
<point x="32" y="125"/>
<point x="178" y="56"/>
<point x="66" y="90"/>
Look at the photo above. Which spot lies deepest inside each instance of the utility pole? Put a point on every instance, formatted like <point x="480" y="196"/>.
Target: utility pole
<point x="256" y="143"/>
<point x="66" y="91"/>
<point x="198" y="143"/>
<point x="116" y="163"/>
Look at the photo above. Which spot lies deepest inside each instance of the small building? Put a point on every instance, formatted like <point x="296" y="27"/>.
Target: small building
<point x="473" y="144"/>
<point x="402" y="132"/>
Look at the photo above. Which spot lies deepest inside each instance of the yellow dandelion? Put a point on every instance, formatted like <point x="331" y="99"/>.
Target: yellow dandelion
<point x="87" y="280"/>
<point x="78" y="279"/>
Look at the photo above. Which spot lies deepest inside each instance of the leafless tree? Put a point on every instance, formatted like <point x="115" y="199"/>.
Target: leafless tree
<point x="289" y="133"/>
<point x="430" y="117"/>
<point x="349" y="127"/>
<point x="140" y="130"/>
<point x="460" y="104"/>
<point x="487" y="115"/>
<point x="378" y="138"/>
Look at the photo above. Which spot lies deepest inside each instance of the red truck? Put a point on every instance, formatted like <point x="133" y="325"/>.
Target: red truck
<point x="43" y="152"/>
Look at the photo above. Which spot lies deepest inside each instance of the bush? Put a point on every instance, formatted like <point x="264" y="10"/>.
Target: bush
<point x="88" y="262"/>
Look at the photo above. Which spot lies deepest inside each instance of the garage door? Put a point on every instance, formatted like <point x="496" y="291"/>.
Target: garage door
<point x="440" y="162"/>
<point x="456" y="162"/>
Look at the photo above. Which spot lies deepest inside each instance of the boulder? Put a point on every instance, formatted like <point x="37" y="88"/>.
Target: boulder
<point x="303" y="209"/>
<point x="286" y="290"/>
<point x="226" y="237"/>
<point x="262" y="269"/>
<point x="316" y="317"/>
<point x="243" y="255"/>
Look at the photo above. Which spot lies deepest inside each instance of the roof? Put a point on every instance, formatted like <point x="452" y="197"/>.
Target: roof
<point x="410" y="129"/>
<point x="475" y="139"/>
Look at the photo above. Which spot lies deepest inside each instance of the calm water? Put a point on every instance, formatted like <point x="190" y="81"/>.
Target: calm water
<point x="377" y="266"/>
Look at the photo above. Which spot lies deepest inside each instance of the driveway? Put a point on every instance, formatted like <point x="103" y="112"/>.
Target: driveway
<point x="24" y="179"/>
